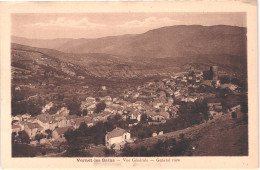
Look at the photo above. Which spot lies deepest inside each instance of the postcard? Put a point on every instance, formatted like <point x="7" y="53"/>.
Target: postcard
<point x="129" y="85"/>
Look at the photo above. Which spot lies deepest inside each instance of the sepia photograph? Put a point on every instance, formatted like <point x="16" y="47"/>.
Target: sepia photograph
<point x="156" y="84"/>
<point x="96" y="86"/>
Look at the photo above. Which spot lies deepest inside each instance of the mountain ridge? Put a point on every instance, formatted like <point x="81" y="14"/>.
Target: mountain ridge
<point x="166" y="49"/>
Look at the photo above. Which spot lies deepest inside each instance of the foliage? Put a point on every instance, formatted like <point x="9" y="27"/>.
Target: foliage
<point x="223" y="93"/>
<point x="53" y="109"/>
<point x="75" y="151"/>
<point x="234" y="115"/>
<point x="244" y="103"/>
<point x="169" y="147"/>
<point x="95" y="134"/>
<point x="144" y="118"/>
<point x="38" y="137"/>
<point x="49" y="133"/>
<point x="24" y="137"/>
<point x="109" y="152"/>
<point x="23" y="150"/>
<point x="236" y="81"/>
<point x="74" y="107"/>
<point x="206" y="75"/>
<point x="100" y="107"/>
<point x="224" y="79"/>
<point x="85" y="112"/>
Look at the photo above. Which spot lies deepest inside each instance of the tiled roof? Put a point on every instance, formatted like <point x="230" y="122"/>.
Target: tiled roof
<point x="46" y="118"/>
<point x="116" y="132"/>
<point x="153" y="113"/>
<point x="62" y="130"/>
<point x="15" y="126"/>
<point x="34" y="125"/>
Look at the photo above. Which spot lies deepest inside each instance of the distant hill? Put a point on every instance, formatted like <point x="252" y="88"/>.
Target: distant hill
<point x="167" y="48"/>
<point x="173" y="41"/>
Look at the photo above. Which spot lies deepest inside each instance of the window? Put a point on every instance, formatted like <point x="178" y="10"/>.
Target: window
<point x="125" y="136"/>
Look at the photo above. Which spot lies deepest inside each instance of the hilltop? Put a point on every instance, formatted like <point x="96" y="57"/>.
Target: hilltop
<point x="173" y="46"/>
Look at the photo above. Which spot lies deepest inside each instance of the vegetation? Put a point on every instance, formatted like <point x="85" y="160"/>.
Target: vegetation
<point x="224" y="79"/>
<point x="24" y="137"/>
<point x="169" y="147"/>
<point x="23" y="150"/>
<point x="234" y="115"/>
<point x="100" y="107"/>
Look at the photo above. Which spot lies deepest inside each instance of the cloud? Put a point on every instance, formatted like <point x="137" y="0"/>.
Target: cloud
<point x="65" y="22"/>
<point x="151" y="22"/>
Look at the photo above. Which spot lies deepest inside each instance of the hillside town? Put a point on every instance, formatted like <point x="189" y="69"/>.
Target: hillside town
<point x="154" y="103"/>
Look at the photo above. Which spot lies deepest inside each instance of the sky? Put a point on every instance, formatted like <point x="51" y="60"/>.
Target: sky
<point x="96" y="25"/>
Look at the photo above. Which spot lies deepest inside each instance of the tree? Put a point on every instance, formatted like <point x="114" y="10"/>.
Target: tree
<point x="83" y="126"/>
<point x="100" y="107"/>
<point x="49" y="133"/>
<point x="74" y="108"/>
<point x="53" y="109"/>
<point x="33" y="109"/>
<point x="223" y="93"/>
<point x="38" y="137"/>
<point x="234" y="115"/>
<point x="109" y="152"/>
<point x="144" y="118"/>
<point x="24" y="137"/>
<point x="85" y="112"/>
<point x="206" y="75"/>
<point x="224" y="79"/>
<point x="70" y="136"/>
<point x="236" y="81"/>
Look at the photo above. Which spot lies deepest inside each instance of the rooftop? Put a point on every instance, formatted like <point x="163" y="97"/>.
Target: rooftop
<point x="116" y="132"/>
<point x="62" y="130"/>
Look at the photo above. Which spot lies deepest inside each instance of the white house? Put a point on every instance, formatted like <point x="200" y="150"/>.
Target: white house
<point x="117" y="138"/>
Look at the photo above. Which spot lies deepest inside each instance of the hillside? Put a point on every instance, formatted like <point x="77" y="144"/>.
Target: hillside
<point x="222" y="136"/>
<point x="172" y="46"/>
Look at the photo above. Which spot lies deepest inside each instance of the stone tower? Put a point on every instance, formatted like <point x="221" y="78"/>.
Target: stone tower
<point x="214" y="72"/>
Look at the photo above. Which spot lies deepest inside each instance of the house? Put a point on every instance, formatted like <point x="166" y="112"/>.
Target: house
<point x="158" y="116"/>
<point x="61" y="121"/>
<point x="135" y="115"/>
<point x="16" y="129"/>
<point x="58" y="134"/>
<point x="229" y="86"/>
<point x="154" y="134"/>
<point x="63" y="111"/>
<point x="47" y="107"/>
<point x="160" y="133"/>
<point x="17" y="117"/>
<point x="47" y="121"/>
<point x="77" y="122"/>
<point x="117" y="138"/>
<point x="90" y="101"/>
<point x="235" y="108"/>
<point x="32" y="129"/>
<point x="25" y="117"/>
<point x="215" y="109"/>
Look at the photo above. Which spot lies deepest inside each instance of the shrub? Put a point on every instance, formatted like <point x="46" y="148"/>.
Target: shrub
<point x="100" y="107"/>
<point x="234" y="115"/>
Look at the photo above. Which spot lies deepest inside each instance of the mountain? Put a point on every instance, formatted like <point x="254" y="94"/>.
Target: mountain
<point x="168" y="48"/>
<point x="172" y="41"/>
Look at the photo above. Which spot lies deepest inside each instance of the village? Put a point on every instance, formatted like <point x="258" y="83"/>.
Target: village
<point x="153" y="102"/>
